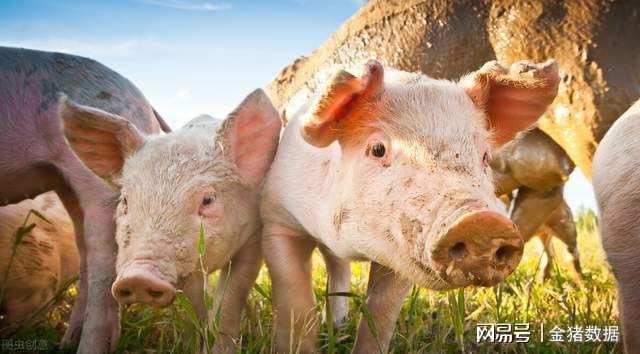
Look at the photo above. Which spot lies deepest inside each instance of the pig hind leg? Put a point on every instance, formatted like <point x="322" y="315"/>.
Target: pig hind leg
<point x="620" y="233"/>
<point x="564" y="228"/>
<point x="339" y="272"/>
<point x="288" y="257"/>
<point x="546" y="240"/>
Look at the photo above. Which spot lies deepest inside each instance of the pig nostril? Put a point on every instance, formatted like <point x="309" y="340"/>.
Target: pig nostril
<point x="124" y="293"/>
<point x="459" y="251"/>
<point x="504" y="253"/>
<point x="155" y="293"/>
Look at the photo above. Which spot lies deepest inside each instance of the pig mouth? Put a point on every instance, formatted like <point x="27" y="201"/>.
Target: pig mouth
<point x="429" y="278"/>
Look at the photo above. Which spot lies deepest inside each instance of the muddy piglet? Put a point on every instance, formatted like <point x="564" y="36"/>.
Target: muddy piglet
<point x="393" y="168"/>
<point x="208" y="171"/>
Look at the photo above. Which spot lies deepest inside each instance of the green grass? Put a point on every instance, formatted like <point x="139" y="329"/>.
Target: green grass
<point x="430" y="321"/>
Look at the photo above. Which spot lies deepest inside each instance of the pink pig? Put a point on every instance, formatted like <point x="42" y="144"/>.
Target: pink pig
<point x="393" y="168"/>
<point x="616" y="182"/>
<point x="208" y="172"/>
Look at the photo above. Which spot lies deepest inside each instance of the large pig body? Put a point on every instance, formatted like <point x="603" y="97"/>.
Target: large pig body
<point x="34" y="158"/>
<point x="44" y="261"/>
<point x="395" y="169"/>
<point x="207" y="174"/>
<point x="616" y="180"/>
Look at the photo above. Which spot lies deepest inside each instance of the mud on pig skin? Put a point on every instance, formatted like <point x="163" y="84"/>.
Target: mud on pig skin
<point x="207" y="173"/>
<point x="595" y="43"/>
<point x="44" y="261"/>
<point x="34" y="158"/>
<point x="393" y="167"/>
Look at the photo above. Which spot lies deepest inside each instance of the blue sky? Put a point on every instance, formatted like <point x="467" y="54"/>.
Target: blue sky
<point x="190" y="56"/>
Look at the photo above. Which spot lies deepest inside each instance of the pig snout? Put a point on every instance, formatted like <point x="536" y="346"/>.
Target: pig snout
<point x="139" y="285"/>
<point x="480" y="248"/>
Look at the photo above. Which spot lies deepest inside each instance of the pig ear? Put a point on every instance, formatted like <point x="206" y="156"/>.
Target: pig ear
<point x="102" y="140"/>
<point x="320" y="127"/>
<point x="512" y="99"/>
<point x="250" y="136"/>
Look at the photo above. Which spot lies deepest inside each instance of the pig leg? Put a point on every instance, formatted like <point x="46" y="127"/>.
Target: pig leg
<point x="288" y="257"/>
<point x="194" y="290"/>
<point x="563" y="227"/>
<point x="232" y="290"/>
<point x="551" y="255"/>
<point x="339" y="272"/>
<point x="101" y="326"/>
<point x="74" y="331"/>
<point x="531" y="208"/>
<point x="386" y="292"/>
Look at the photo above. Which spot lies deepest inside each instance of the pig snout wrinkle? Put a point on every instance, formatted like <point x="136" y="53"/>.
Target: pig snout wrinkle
<point x="480" y="248"/>
<point x="145" y="289"/>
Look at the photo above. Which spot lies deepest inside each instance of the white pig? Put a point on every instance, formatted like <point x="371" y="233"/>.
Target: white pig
<point x="616" y="181"/>
<point x="395" y="170"/>
<point x="207" y="172"/>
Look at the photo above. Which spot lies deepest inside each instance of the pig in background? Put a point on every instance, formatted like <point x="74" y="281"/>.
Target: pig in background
<point x="530" y="172"/>
<point x="616" y="180"/>
<point x="45" y="261"/>
<point x="35" y="158"/>
<point x="394" y="168"/>
<point x="208" y="172"/>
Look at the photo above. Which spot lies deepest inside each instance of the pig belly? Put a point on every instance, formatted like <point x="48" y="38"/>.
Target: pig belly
<point x="28" y="183"/>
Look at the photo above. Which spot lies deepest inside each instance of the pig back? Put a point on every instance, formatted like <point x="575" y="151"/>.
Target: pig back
<point x="29" y="89"/>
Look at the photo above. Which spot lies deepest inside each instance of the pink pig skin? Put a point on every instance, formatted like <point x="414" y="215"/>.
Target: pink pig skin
<point x="34" y="158"/>
<point x="393" y="168"/>
<point x="616" y="180"/>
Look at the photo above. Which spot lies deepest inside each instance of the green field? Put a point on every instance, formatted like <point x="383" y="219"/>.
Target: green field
<point x="430" y="322"/>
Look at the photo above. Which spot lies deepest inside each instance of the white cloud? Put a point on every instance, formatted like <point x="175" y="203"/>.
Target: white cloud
<point x="187" y="5"/>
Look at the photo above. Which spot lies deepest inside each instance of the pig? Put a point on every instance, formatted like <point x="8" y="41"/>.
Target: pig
<point x="207" y="173"/>
<point x="616" y="182"/>
<point x="34" y="158"/>
<point x="393" y="168"/>
<point x="595" y="43"/>
<point x="44" y="262"/>
<point x="535" y="168"/>
<point x="559" y="224"/>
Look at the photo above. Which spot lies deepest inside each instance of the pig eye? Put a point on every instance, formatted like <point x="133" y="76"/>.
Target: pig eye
<point x="377" y="150"/>
<point x="209" y="199"/>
